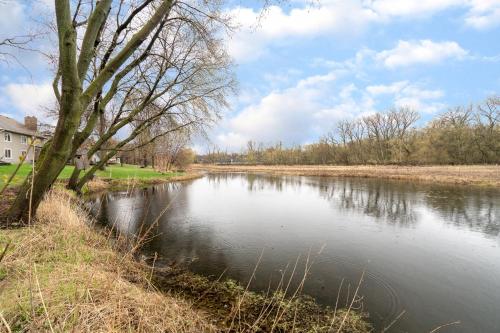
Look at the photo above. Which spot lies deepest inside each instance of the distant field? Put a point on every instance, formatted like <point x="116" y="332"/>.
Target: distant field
<point x="112" y="172"/>
<point x="487" y="175"/>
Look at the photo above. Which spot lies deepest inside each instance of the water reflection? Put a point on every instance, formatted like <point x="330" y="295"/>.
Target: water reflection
<point x="476" y="210"/>
<point x="383" y="201"/>
<point x="389" y="201"/>
<point x="404" y="235"/>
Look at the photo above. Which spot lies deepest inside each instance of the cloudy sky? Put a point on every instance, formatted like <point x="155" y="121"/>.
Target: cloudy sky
<point x="306" y="64"/>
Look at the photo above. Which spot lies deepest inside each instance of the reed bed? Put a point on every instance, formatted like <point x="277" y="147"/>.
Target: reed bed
<point x="482" y="175"/>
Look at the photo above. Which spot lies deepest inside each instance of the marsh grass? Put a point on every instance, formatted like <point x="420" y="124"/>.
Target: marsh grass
<point x="482" y="175"/>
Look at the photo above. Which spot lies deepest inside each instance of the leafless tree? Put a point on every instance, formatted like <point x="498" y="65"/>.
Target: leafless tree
<point x="107" y="46"/>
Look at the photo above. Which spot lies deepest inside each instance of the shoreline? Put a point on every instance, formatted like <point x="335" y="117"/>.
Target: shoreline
<point x="88" y="280"/>
<point x="96" y="186"/>
<point x="471" y="175"/>
<point x="108" y="184"/>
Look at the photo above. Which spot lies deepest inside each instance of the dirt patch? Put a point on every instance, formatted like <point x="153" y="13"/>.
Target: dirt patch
<point x="8" y="197"/>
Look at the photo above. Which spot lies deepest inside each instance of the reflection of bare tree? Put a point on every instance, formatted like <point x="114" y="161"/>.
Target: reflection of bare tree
<point x="388" y="201"/>
<point x="133" y="214"/>
<point x="258" y="182"/>
<point x="391" y="201"/>
<point x="475" y="209"/>
<point x="381" y="200"/>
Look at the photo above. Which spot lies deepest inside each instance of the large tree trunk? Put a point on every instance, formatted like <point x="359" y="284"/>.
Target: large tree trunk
<point x="73" y="180"/>
<point x="57" y="154"/>
<point x="49" y="168"/>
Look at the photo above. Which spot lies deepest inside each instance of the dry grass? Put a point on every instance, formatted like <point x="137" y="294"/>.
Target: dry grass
<point x="484" y="175"/>
<point x="61" y="275"/>
<point x="283" y="309"/>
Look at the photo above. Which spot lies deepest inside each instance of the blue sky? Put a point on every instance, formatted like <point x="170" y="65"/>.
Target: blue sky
<point x="306" y="64"/>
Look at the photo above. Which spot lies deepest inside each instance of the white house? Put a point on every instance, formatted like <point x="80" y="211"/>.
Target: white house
<point x="15" y="139"/>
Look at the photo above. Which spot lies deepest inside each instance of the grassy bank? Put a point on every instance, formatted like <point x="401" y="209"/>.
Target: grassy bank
<point x="482" y="175"/>
<point x="115" y="177"/>
<point x="99" y="184"/>
<point x="63" y="275"/>
<point x="114" y="172"/>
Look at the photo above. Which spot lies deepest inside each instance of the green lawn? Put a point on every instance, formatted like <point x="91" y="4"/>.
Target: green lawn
<point x="114" y="172"/>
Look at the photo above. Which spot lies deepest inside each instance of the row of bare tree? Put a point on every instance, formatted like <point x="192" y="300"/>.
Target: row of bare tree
<point x="463" y="135"/>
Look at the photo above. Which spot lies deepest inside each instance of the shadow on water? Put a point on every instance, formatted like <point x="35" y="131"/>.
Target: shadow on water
<point x="432" y="251"/>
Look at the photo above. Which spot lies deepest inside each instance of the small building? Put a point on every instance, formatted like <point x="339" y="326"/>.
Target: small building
<point x="82" y="156"/>
<point x="15" y="139"/>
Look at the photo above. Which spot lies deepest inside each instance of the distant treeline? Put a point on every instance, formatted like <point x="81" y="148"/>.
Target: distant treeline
<point x="462" y="135"/>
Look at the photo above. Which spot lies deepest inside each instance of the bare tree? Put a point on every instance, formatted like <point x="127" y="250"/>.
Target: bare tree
<point x="181" y="86"/>
<point x="168" y="149"/>
<point x="101" y="46"/>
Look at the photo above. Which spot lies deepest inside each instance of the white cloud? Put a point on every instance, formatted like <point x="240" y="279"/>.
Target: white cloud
<point x="289" y="115"/>
<point x="29" y="99"/>
<point x="403" y="93"/>
<point x="257" y="30"/>
<point x="351" y="102"/>
<point x="386" y="89"/>
<point x="283" y="115"/>
<point x="484" y="14"/>
<point x="12" y="18"/>
<point x="411" y="8"/>
<point x="419" y="52"/>
<point x="311" y="107"/>
<point x="343" y="19"/>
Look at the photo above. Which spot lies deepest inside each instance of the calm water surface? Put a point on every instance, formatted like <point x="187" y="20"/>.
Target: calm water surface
<point x="431" y="251"/>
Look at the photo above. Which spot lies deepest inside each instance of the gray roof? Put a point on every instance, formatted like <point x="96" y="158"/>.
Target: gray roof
<point x="11" y="125"/>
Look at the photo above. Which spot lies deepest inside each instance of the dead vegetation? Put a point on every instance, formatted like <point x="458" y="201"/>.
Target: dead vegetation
<point x="483" y="175"/>
<point x="61" y="274"/>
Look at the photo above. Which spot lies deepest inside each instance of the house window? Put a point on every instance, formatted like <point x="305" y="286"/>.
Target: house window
<point x="7" y="137"/>
<point x="8" y="153"/>
<point x="24" y="139"/>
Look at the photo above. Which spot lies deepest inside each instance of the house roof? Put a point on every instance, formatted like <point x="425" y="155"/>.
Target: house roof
<point x="11" y="125"/>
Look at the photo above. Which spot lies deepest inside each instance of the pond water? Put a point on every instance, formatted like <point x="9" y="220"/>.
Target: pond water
<point x="430" y="251"/>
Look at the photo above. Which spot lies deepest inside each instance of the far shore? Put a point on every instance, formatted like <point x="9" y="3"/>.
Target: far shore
<point x="480" y="175"/>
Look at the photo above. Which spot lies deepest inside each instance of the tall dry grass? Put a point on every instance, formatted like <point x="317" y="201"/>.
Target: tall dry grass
<point x="61" y="275"/>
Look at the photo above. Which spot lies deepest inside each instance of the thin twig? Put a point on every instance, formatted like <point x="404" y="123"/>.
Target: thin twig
<point x="336" y="303"/>
<point x="352" y="302"/>
<point x="43" y="302"/>
<point x="245" y="291"/>
<point x="394" y="321"/>
<point x="444" y="325"/>
<point x="4" y="251"/>
<point x="5" y="323"/>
